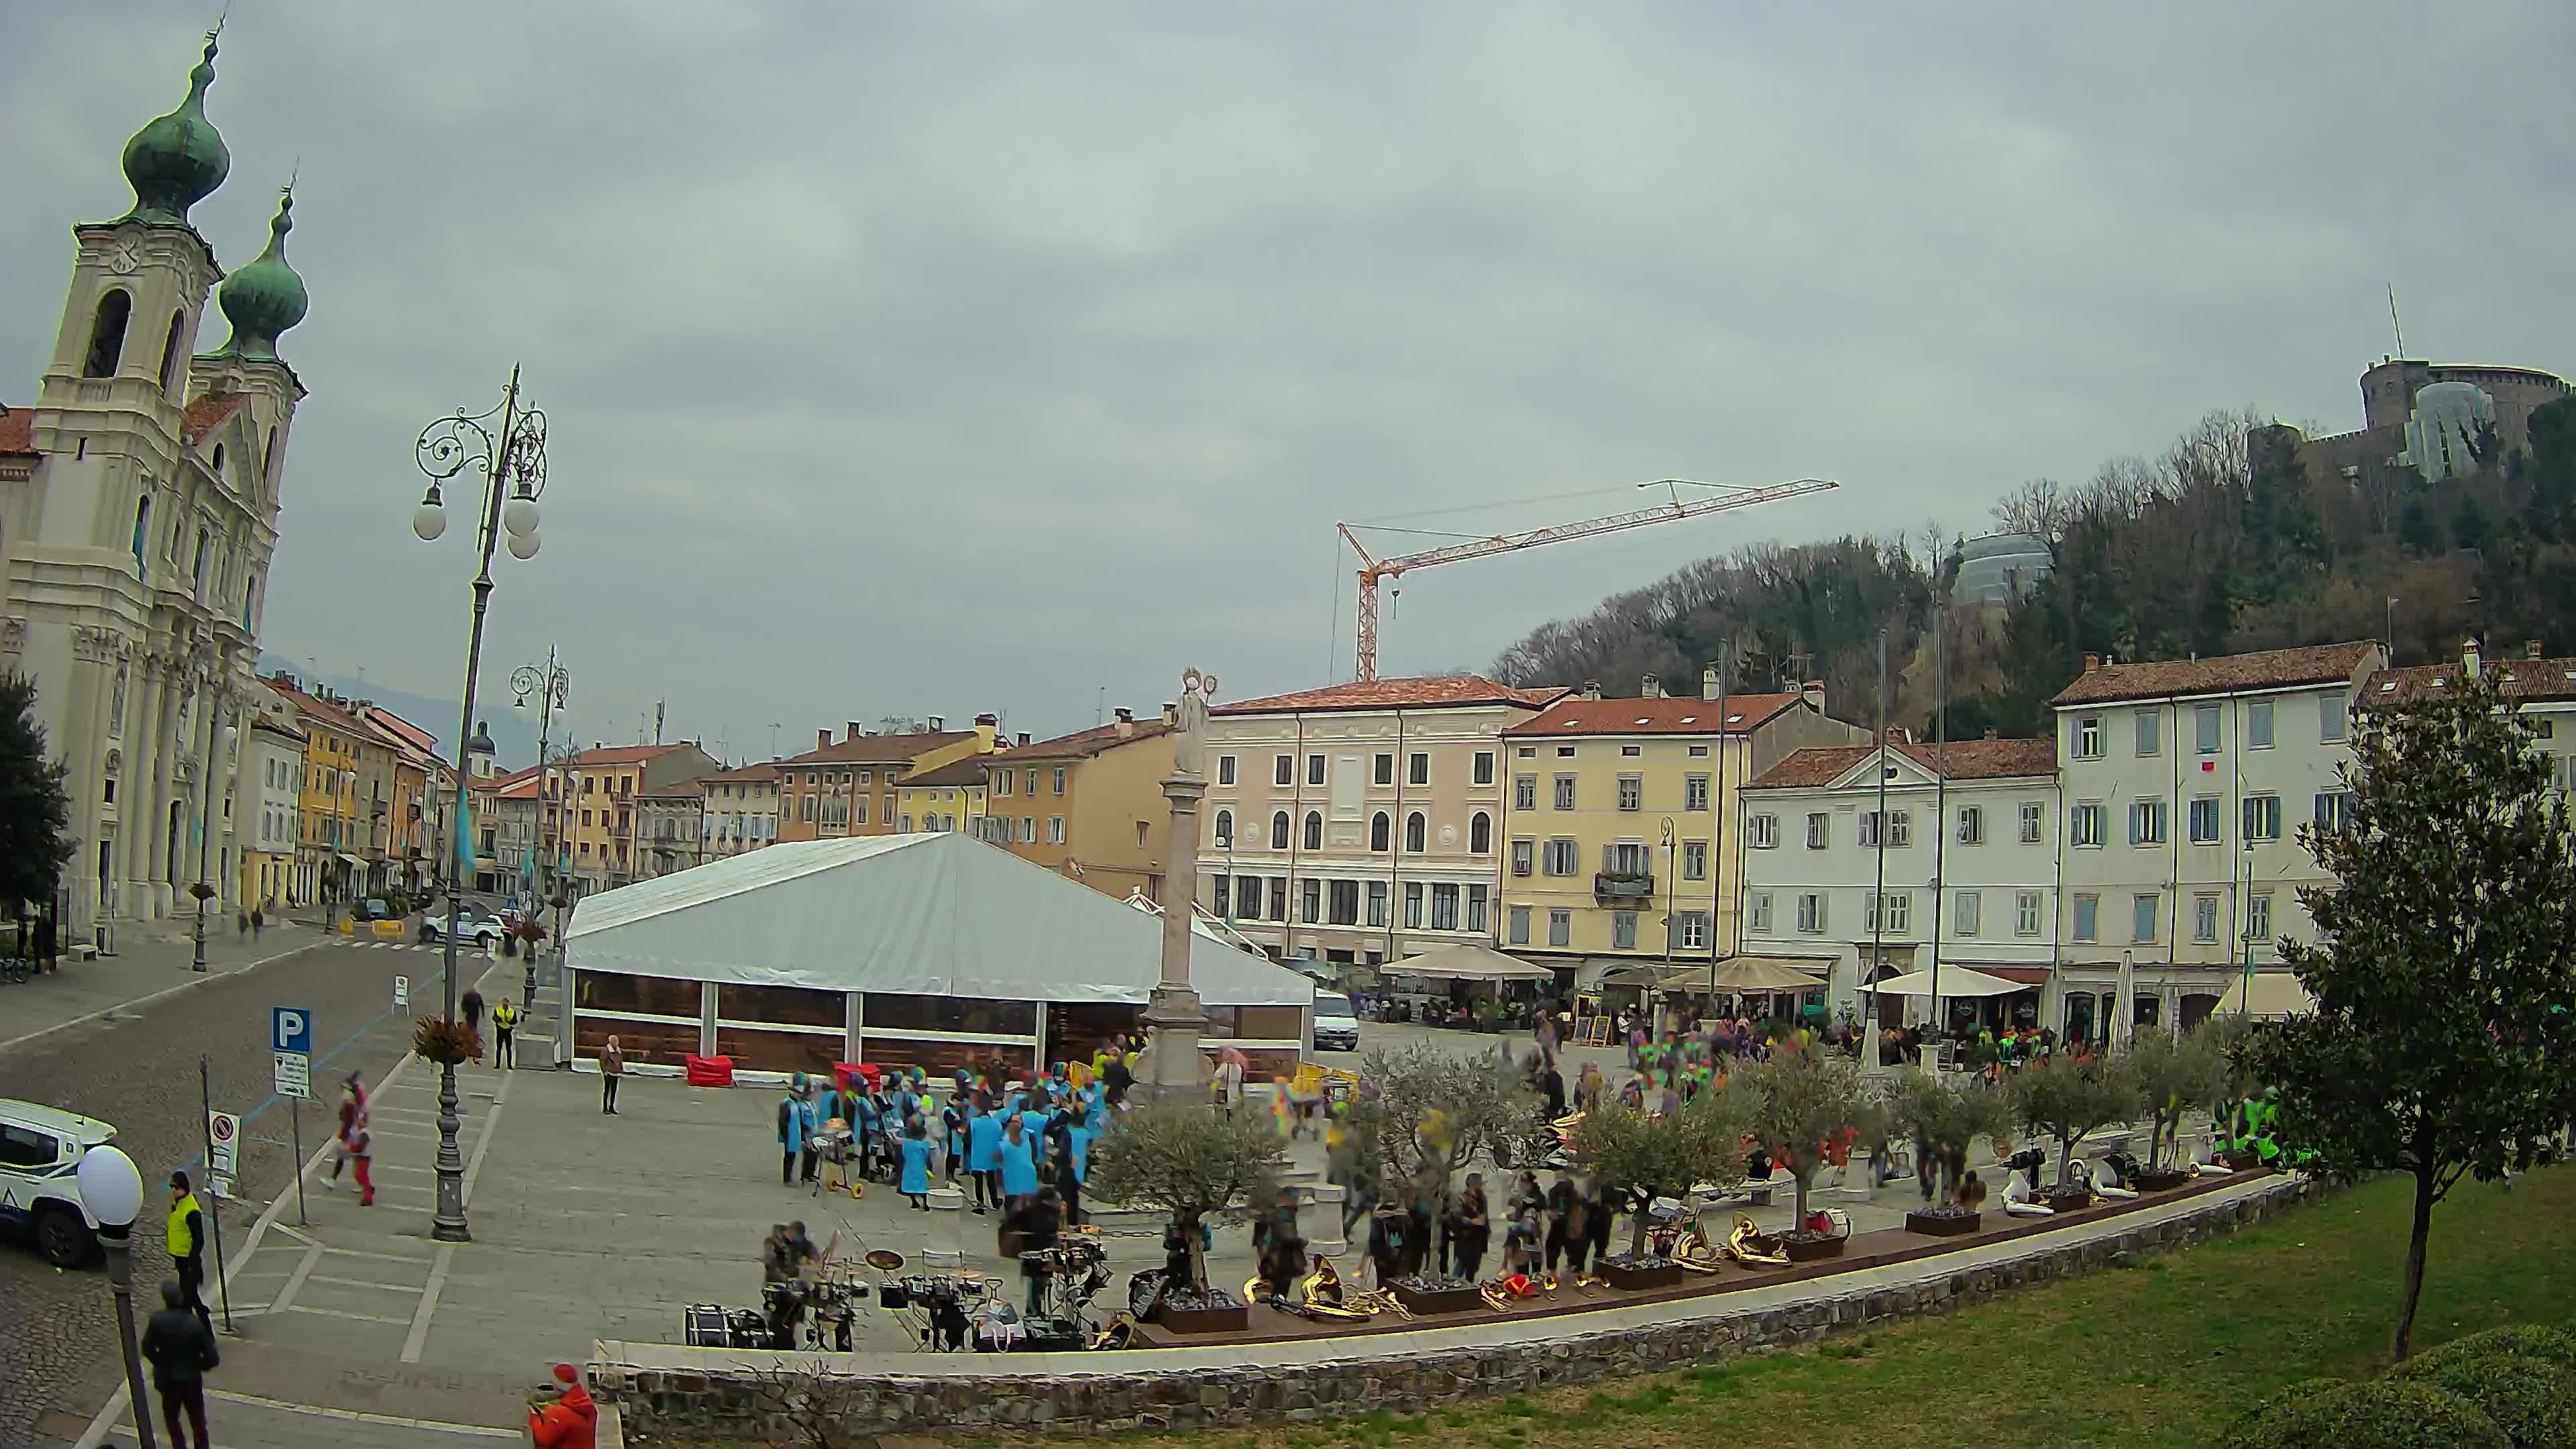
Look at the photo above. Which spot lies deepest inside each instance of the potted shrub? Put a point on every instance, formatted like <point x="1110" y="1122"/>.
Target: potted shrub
<point x="1807" y="1112"/>
<point x="1191" y="1165"/>
<point x="1944" y="1117"/>
<point x="2069" y="1096"/>
<point x="1662" y="1157"/>
<point x="445" y="1043"/>
<point x="2172" y="1077"/>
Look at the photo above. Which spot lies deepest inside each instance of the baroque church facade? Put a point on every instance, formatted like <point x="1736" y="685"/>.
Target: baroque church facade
<point x="138" y="518"/>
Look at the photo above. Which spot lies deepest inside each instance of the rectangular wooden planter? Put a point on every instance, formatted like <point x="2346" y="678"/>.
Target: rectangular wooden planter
<point x="1421" y="1301"/>
<point x="1943" y="1225"/>
<point x="1233" y="1319"/>
<point x="1809" y="1250"/>
<point x="2162" y="1179"/>
<point x="1635" y="1276"/>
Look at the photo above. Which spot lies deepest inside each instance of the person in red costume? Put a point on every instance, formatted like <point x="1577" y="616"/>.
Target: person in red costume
<point x="566" y="1418"/>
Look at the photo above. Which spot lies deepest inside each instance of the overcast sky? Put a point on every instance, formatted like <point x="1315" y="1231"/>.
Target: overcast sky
<point x="934" y="358"/>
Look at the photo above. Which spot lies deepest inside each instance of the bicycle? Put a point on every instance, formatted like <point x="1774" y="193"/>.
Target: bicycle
<point x="16" y="969"/>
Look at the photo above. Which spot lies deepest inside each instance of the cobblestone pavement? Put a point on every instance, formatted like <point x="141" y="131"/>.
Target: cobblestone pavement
<point x="58" y="1358"/>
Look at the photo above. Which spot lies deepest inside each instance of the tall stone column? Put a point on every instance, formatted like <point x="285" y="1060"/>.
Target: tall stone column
<point x="1173" y="1012"/>
<point x="134" y="804"/>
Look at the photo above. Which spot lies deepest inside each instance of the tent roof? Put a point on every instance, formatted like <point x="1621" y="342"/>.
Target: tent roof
<point x="1468" y="962"/>
<point x="1955" y="981"/>
<point x="2268" y="994"/>
<point x="931" y="914"/>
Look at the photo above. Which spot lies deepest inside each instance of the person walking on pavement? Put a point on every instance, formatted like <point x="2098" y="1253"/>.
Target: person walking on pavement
<point x="186" y="1240"/>
<point x="505" y="1017"/>
<point x="984" y="1155"/>
<point x="612" y="1065"/>
<point x="241" y="924"/>
<point x="472" y="1005"/>
<point x="258" y="921"/>
<point x="353" y="1120"/>
<point x="795" y="1131"/>
<point x="181" y="1349"/>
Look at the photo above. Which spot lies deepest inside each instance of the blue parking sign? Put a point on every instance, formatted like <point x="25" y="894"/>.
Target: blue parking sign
<point x="290" y="1029"/>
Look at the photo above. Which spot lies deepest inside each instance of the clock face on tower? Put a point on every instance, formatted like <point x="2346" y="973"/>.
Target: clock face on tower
<point x="127" y="255"/>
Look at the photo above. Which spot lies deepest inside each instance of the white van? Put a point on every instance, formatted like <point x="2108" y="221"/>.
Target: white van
<point x="1337" y="1027"/>
<point x="40" y="1147"/>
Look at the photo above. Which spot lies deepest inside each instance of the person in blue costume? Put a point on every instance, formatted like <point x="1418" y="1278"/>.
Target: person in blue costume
<point x="916" y="1166"/>
<point x="984" y="1155"/>
<point x="796" y="1130"/>
<point x="863" y="1129"/>
<point x="1019" y="1162"/>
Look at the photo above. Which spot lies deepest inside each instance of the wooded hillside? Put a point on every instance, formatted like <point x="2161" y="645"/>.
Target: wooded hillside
<point x="2222" y="543"/>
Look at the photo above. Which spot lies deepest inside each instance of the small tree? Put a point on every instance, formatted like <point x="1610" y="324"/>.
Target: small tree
<point x="1190" y="1164"/>
<point x="35" y="812"/>
<point x="2172" y="1077"/>
<point x="2441" y="1039"/>
<point x="1945" y="1119"/>
<point x="1808" y="1109"/>
<point x="1666" y="1156"/>
<point x="2070" y="1097"/>
<point x="1437" y="1112"/>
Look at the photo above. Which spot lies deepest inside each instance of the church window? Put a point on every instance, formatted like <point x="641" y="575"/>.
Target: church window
<point x="205" y="547"/>
<point x="142" y="529"/>
<point x="268" y="456"/>
<point x="170" y="351"/>
<point x="219" y="460"/>
<point x="107" y="333"/>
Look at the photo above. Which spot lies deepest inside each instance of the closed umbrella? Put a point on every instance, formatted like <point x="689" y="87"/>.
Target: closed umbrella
<point x="2124" y="1024"/>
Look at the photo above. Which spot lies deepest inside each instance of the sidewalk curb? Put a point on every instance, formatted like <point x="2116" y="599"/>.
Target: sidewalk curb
<point x="193" y="980"/>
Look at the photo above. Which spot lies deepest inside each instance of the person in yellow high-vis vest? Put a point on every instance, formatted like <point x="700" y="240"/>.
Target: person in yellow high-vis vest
<point x="505" y="1019"/>
<point x="187" y="1243"/>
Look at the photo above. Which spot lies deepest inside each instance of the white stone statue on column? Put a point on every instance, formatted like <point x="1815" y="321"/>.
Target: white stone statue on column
<point x="1173" y="1013"/>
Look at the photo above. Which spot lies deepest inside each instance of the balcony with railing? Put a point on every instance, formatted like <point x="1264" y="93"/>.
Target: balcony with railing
<point x="1620" y="885"/>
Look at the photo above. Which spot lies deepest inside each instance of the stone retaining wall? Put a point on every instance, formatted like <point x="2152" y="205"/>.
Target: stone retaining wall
<point x="691" y="1394"/>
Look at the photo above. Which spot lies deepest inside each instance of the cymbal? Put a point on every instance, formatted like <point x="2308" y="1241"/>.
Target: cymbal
<point x="884" y="1260"/>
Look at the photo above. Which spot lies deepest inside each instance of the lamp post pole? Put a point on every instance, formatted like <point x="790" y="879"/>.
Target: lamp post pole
<point x="513" y="465"/>
<point x="551" y="685"/>
<point x="112" y="1189"/>
<point x="221" y="739"/>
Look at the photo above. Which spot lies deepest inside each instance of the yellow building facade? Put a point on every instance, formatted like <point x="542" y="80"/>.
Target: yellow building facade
<point x="1089" y="805"/>
<point x="330" y="859"/>
<point x="946" y="797"/>
<point x="1616" y="815"/>
<point x="853" y="786"/>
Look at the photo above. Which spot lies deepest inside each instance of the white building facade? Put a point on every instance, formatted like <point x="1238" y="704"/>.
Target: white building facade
<point x="741" y="810"/>
<point x="1962" y="865"/>
<point x="1360" y="823"/>
<point x="138" y="515"/>
<point x="2184" y="785"/>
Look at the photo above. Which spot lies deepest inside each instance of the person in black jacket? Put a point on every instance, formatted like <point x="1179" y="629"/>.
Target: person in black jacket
<point x="180" y="1348"/>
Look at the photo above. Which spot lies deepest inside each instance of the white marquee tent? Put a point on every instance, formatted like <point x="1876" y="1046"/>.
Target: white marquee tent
<point x="935" y="924"/>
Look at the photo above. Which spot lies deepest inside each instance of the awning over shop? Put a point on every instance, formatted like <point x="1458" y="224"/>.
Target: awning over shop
<point x="2026" y="975"/>
<point x="353" y="862"/>
<point x="2267" y="994"/>
<point x="1468" y="962"/>
<point x="1955" y="981"/>
<point x="925" y="914"/>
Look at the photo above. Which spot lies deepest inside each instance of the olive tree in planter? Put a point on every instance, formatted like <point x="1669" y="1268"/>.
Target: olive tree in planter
<point x="1665" y="1156"/>
<point x="1434" y="1112"/>
<point x="2069" y="1097"/>
<point x="2172" y="1077"/>
<point x="1191" y="1165"/>
<point x="1945" y="1118"/>
<point x="1808" y="1109"/>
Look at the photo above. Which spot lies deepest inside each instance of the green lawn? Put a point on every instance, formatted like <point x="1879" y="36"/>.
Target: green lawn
<point x="2163" y="1354"/>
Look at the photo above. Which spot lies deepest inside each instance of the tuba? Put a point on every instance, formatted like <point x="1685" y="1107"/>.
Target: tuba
<point x="1748" y="1244"/>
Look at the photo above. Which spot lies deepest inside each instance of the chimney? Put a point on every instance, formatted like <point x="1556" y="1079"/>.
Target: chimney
<point x="851" y="731"/>
<point x="1813" y="692"/>
<point x="1708" y="682"/>
<point x="823" y="739"/>
<point x="2469" y="658"/>
<point x="1651" y="687"/>
<point x="2092" y="663"/>
<point x="938" y="724"/>
<point x="2531" y="649"/>
<point x="1126" y="723"/>
<point x="1592" y="689"/>
<point x="988" y="731"/>
<point x="1022" y="739"/>
<point x="1171" y="714"/>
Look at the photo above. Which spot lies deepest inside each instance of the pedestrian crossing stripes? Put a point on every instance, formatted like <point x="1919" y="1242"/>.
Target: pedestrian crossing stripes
<point x="483" y="951"/>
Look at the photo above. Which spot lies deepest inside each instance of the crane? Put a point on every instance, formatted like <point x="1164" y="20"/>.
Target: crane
<point x="1373" y="570"/>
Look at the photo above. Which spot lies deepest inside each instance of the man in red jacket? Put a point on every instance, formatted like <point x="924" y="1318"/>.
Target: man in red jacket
<point x="568" y="1420"/>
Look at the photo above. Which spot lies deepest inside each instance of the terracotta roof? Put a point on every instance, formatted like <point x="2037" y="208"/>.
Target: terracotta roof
<point x="2270" y="669"/>
<point x="1963" y="759"/>
<point x="968" y="771"/>
<point x="880" y="749"/>
<point x="524" y="788"/>
<point x="2517" y="678"/>
<point x="766" y="772"/>
<point x="278" y="727"/>
<point x="207" y="413"/>
<point x="1440" y="691"/>
<point x="18" y="431"/>
<point x="1083" y="744"/>
<point x="1576" y="716"/>
<point x="322" y="709"/>
<point x="620" y="755"/>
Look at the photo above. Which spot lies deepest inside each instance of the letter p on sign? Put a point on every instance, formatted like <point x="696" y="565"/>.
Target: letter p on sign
<point x="290" y="1029"/>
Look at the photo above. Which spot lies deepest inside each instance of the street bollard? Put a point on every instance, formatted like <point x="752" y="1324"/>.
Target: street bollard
<point x="1324" y="1236"/>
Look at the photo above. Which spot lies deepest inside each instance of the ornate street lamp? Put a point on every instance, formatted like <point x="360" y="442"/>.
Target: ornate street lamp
<point x="551" y="685"/>
<point x="507" y="445"/>
<point x="112" y="1191"/>
<point x="203" y="890"/>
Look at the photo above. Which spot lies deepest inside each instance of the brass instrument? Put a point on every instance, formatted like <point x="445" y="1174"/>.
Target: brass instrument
<point x="1564" y="1128"/>
<point x="1119" y="1332"/>
<point x="1323" y="1297"/>
<point x="1693" y="1253"/>
<point x="1500" y="1293"/>
<point x="1748" y="1244"/>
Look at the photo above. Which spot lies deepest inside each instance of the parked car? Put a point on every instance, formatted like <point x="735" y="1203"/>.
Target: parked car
<point x="39" y="1149"/>
<point x="374" y="908"/>
<point x="1337" y="1027"/>
<point x="475" y="925"/>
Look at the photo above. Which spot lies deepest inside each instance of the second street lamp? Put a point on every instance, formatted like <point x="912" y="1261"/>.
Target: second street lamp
<point x="507" y="445"/>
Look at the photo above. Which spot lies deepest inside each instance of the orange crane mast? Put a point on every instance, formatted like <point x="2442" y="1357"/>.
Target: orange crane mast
<point x="1374" y="570"/>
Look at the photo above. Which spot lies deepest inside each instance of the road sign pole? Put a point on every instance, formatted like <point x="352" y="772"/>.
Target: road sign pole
<point x="295" y="1130"/>
<point x="214" y="1204"/>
